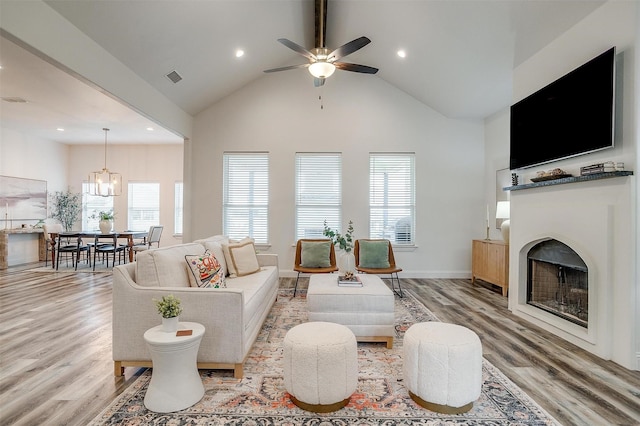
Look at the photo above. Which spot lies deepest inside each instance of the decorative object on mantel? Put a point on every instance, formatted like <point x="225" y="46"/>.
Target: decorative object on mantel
<point x="570" y="179"/>
<point x="105" y="183"/>
<point x="609" y="166"/>
<point x="347" y="261"/>
<point x="66" y="207"/>
<point x="550" y="175"/>
<point x="169" y="307"/>
<point x="514" y="179"/>
<point x="503" y="209"/>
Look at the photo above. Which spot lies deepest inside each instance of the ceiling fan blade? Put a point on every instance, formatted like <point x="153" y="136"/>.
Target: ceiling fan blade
<point x="317" y="82"/>
<point x="290" y="67"/>
<point x="355" y="67"/>
<point x="349" y="48"/>
<point x="297" y="48"/>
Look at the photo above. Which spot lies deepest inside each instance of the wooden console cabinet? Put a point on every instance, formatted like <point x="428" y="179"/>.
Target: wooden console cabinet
<point x="490" y="263"/>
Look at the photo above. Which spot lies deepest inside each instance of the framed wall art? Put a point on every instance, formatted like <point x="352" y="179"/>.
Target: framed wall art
<point x="22" y="199"/>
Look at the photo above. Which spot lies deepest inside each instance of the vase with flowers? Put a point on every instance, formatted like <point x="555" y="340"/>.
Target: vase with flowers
<point x="106" y="220"/>
<point x="170" y="309"/>
<point x="344" y="242"/>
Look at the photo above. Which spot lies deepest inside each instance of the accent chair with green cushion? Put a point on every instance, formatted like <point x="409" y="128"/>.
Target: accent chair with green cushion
<point x="314" y="256"/>
<point x="376" y="257"/>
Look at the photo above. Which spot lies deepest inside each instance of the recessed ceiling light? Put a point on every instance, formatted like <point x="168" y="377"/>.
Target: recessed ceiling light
<point x="60" y="129"/>
<point x="239" y="53"/>
<point x="150" y="129"/>
<point x="402" y="53"/>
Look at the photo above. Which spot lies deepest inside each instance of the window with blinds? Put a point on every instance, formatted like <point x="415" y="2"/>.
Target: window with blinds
<point x="245" y="207"/>
<point x="392" y="197"/>
<point x="91" y="206"/>
<point x="318" y="193"/>
<point x="178" y="204"/>
<point x="144" y="205"/>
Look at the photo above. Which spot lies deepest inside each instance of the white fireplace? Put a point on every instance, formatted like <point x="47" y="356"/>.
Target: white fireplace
<point x="594" y="219"/>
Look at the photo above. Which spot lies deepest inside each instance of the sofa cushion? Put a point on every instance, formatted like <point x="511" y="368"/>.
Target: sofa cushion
<point x="164" y="267"/>
<point x="205" y="270"/>
<point x="315" y="254"/>
<point x="243" y="258"/>
<point x="374" y="254"/>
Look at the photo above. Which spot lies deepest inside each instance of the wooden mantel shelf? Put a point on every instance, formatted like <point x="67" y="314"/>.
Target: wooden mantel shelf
<point x="572" y="179"/>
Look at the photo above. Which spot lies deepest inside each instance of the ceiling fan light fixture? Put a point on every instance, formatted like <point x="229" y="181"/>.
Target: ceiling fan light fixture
<point x="322" y="69"/>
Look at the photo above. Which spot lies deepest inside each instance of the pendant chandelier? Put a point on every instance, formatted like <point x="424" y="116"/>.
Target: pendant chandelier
<point x="105" y="183"/>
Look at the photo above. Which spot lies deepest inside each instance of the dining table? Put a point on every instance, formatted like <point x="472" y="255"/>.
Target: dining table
<point x="128" y="235"/>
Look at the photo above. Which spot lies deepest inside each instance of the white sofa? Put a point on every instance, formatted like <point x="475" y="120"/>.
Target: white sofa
<point x="232" y="316"/>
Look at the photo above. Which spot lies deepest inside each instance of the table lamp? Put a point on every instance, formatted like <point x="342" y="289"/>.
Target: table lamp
<point x="503" y="212"/>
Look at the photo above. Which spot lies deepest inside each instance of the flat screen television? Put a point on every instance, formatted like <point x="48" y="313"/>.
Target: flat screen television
<point x="574" y="115"/>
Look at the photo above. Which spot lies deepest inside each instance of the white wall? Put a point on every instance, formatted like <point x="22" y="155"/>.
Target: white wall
<point x="28" y="157"/>
<point x="280" y="113"/>
<point x="496" y="146"/>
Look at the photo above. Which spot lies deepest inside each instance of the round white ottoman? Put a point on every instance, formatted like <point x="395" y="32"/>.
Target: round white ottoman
<point x="442" y="366"/>
<point x="320" y="366"/>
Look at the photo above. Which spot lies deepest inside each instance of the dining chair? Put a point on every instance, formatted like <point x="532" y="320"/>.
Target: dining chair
<point x="153" y="237"/>
<point x="50" y="241"/>
<point x="71" y="244"/>
<point x="107" y="245"/>
<point x="314" y="256"/>
<point x="375" y="256"/>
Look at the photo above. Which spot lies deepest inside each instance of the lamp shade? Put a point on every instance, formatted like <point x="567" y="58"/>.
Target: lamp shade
<point x="322" y="69"/>
<point x="105" y="183"/>
<point x="503" y="210"/>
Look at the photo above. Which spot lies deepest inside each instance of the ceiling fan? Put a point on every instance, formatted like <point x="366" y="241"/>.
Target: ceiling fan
<point x="322" y="61"/>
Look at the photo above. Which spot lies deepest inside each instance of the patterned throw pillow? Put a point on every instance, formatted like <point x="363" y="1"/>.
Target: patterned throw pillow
<point x="205" y="271"/>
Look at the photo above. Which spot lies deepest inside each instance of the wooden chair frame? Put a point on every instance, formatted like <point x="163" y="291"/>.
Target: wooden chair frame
<point x="301" y="269"/>
<point x="392" y="269"/>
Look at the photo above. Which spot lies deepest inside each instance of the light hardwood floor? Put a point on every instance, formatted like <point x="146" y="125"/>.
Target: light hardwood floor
<point x="56" y="369"/>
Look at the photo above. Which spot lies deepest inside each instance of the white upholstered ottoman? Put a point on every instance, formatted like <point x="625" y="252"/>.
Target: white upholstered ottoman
<point x="442" y="366"/>
<point x="368" y="311"/>
<point x="320" y="366"/>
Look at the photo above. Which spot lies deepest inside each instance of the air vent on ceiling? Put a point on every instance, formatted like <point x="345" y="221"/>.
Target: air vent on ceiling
<point x="15" y="100"/>
<point x="174" y="76"/>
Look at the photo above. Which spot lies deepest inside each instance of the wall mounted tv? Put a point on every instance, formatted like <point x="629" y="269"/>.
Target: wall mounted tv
<point x="573" y="115"/>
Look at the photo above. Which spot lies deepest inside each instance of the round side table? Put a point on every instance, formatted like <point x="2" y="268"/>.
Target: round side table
<point x="175" y="381"/>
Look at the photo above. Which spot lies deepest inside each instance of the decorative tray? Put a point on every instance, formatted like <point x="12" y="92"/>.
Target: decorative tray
<point x="550" y="177"/>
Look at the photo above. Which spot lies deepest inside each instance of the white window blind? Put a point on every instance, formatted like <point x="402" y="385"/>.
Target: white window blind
<point x="392" y="197"/>
<point x="91" y="206"/>
<point x="246" y="196"/>
<point x="318" y="193"/>
<point x="144" y="205"/>
<point x="178" y="204"/>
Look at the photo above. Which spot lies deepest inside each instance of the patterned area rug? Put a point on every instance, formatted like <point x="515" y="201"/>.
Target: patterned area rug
<point x="380" y="399"/>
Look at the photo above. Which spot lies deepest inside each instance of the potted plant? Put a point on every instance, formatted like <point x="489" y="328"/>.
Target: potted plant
<point x="66" y="207"/>
<point x="106" y="221"/>
<point x="347" y="261"/>
<point x="169" y="307"/>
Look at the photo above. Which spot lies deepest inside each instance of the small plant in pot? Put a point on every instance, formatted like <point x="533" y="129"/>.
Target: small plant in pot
<point x="169" y="307"/>
<point x="106" y="220"/>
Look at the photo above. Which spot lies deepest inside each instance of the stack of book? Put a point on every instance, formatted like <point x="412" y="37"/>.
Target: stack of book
<point x="353" y="281"/>
<point x="592" y="169"/>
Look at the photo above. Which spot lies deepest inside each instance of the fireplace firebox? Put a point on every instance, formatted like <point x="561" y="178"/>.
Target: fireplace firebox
<point x="557" y="281"/>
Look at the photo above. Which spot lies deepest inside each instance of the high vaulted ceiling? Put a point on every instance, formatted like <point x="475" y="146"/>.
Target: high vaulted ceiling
<point x="459" y="54"/>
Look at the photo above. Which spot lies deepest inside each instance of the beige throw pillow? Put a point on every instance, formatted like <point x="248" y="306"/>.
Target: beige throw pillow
<point x="231" y="270"/>
<point x="244" y="259"/>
